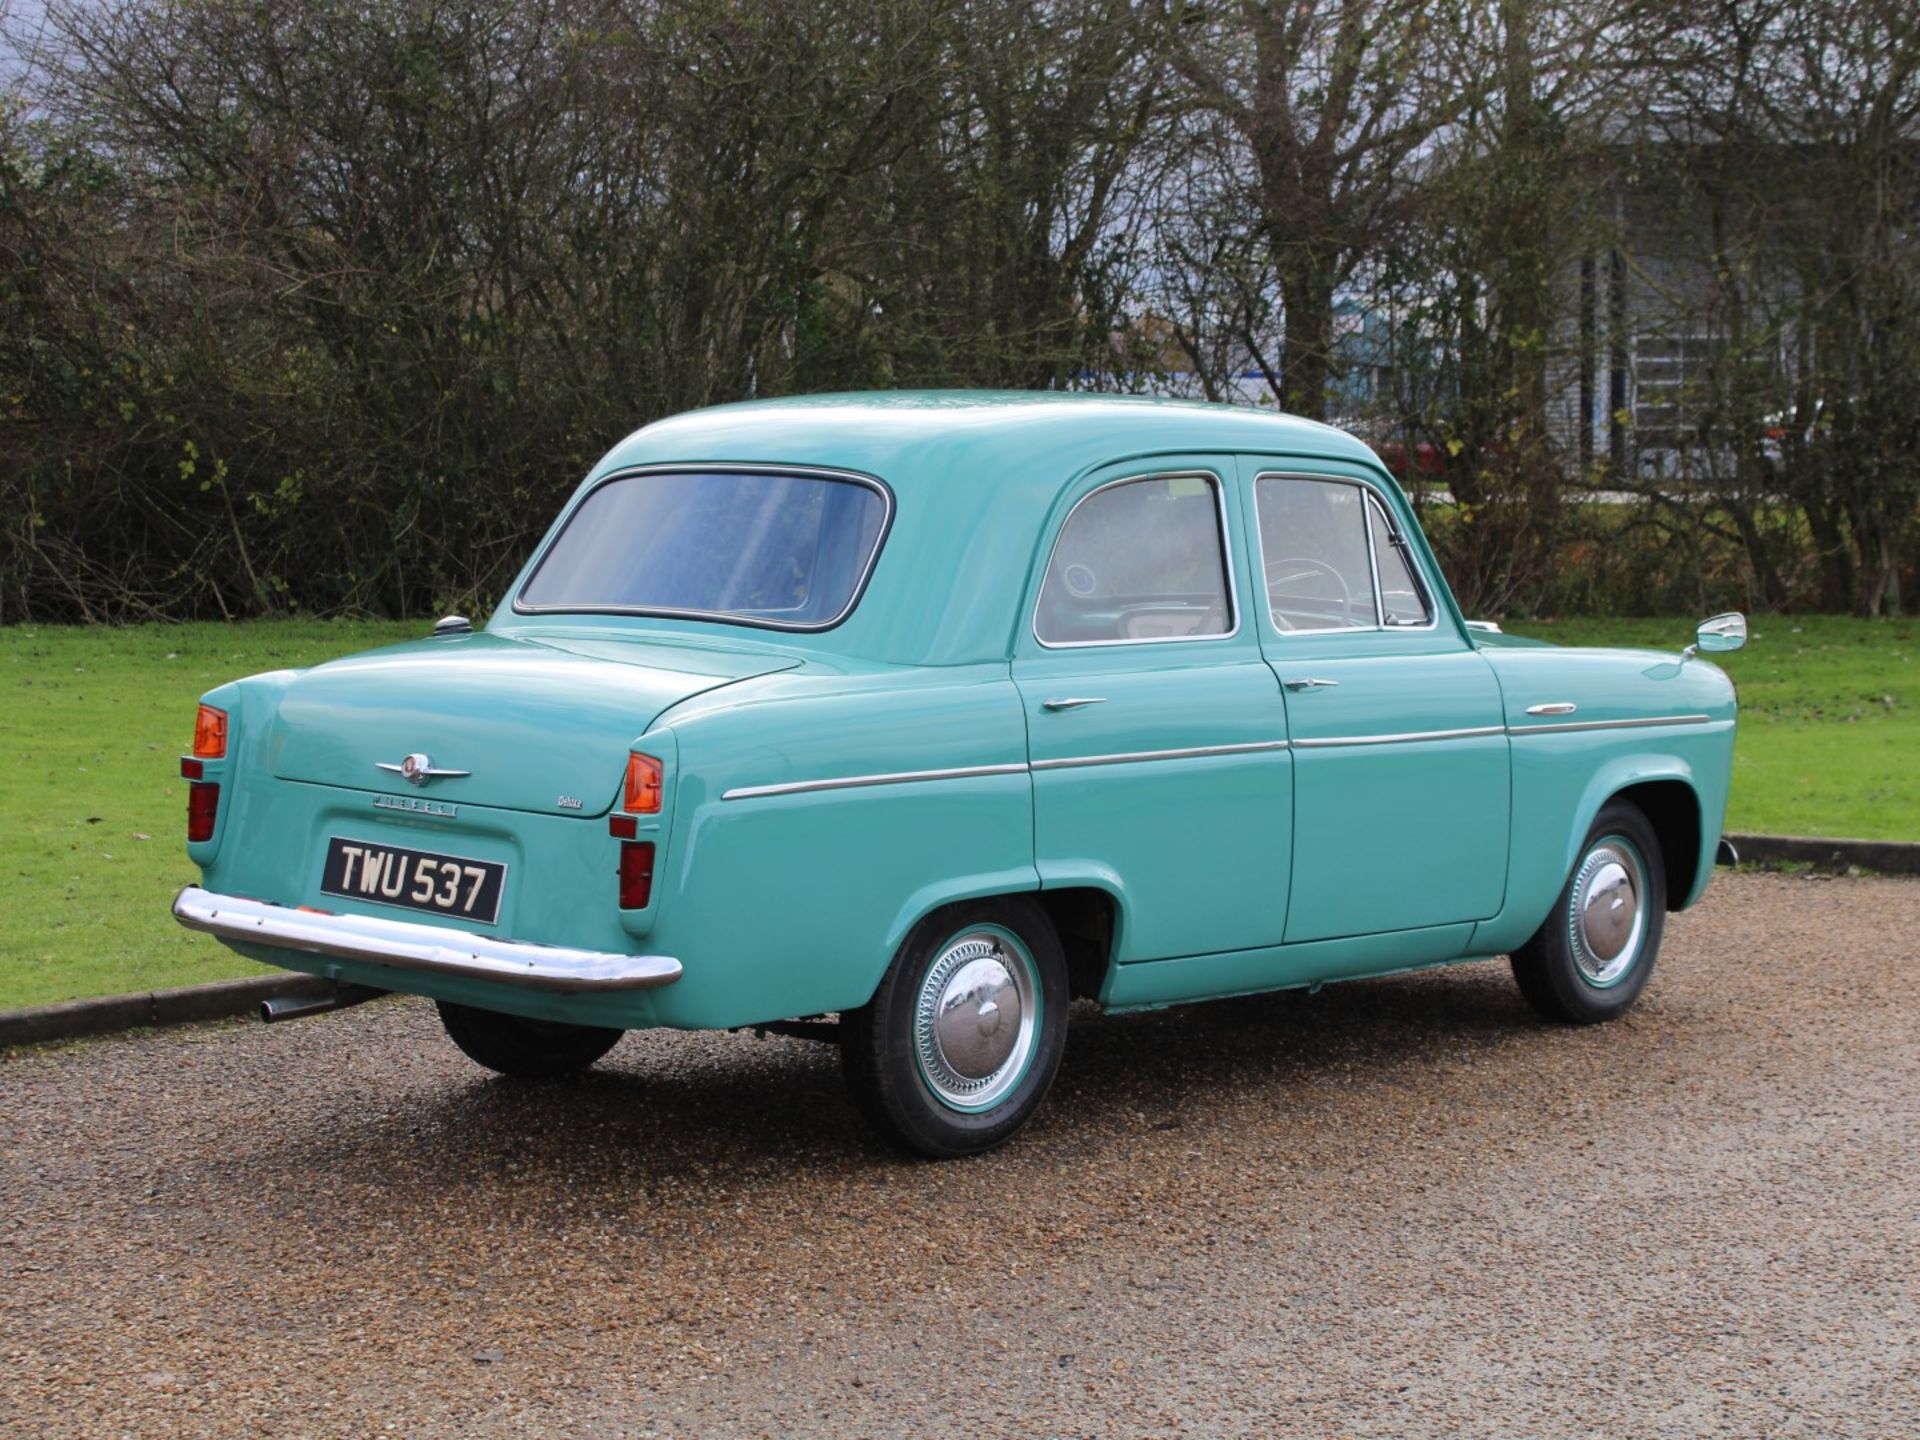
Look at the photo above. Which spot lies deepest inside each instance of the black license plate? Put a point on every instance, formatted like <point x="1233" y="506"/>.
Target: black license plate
<point x="414" y="879"/>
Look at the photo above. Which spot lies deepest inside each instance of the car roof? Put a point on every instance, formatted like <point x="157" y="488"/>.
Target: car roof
<point x="1005" y="437"/>
<point x="975" y="474"/>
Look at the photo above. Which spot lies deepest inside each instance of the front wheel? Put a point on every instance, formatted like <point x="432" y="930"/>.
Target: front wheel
<point x="962" y="1040"/>
<point x="1591" y="957"/>
<point x="525" y="1049"/>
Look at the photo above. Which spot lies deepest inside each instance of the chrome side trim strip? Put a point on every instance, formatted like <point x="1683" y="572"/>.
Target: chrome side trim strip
<point x="1129" y="757"/>
<point x="908" y="777"/>
<point x="404" y="945"/>
<point x="854" y="782"/>
<point x="1409" y="738"/>
<point x="1634" y="724"/>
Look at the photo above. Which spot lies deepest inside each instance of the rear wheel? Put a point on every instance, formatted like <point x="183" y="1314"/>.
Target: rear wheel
<point x="526" y="1049"/>
<point x="1592" y="956"/>
<point x="961" y="1042"/>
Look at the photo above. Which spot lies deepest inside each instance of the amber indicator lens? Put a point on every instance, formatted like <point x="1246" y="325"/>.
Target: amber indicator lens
<point x="643" y="785"/>
<point x="203" y="805"/>
<point x="210" y="733"/>
<point x="636" y="874"/>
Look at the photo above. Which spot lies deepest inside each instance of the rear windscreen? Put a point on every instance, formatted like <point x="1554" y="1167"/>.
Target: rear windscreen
<point x="767" y="549"/>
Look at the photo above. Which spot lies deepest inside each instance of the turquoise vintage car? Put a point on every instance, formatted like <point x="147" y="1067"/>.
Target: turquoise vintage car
<point x="932" y="712"/>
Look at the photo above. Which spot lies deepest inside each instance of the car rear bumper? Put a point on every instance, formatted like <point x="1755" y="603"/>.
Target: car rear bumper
<point x="405" y="945"/>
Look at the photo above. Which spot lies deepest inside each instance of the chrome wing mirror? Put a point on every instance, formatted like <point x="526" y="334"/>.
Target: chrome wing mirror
<point x="1718" y="634"/>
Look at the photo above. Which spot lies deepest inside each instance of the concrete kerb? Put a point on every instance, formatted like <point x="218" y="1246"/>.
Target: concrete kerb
<point x="73" y="1019"/>
<point x="1889" y="857"/>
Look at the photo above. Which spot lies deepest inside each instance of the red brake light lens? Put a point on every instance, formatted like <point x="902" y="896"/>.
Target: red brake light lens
<point x="203" y="808"/>
<point x="643" y="785"/>
<point x="210" y="733"/>
<point x="636" y="874"/>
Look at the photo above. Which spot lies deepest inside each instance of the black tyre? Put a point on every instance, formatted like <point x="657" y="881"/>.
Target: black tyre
<point x="525" y="1049"/>
<point x="1591" y="957"/>
<point x="961" y="1042"/>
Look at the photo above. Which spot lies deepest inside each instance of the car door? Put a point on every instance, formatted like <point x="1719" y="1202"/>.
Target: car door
<point x="1401" y="775"/>
<point x="1156" y="732"/>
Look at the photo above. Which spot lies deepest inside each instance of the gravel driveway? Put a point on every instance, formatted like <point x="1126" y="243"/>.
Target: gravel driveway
<point x="1401" y="1206"/>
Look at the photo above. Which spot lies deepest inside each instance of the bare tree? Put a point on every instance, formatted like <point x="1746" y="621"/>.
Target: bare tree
<point x="1330" y="104"/>
<point x="1795" y="125"/>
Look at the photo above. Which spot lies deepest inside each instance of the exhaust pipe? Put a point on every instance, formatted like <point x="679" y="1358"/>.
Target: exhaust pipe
<point x="1726" y="854"/>
<point x="295" y="1007"/>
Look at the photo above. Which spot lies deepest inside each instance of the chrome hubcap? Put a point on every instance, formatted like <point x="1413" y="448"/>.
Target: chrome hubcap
<point x="974" y="1020"/>
<point x="1608" y="917"/>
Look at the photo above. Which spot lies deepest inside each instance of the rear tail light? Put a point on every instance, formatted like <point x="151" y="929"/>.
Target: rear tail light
<point x="643" y="785"/>
<point x="636" y="874"/>
<point x="210" y="733"/>
<point x="203" y="808"/>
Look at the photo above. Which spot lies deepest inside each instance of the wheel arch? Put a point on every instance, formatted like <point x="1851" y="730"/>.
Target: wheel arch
<point x="953" y="891"/>
<point x="1663" y="788"/>
<point x="1672" y="808"/>
<point x="1087" y="918"/>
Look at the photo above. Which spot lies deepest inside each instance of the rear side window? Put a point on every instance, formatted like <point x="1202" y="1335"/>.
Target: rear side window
<point x="1141" y="560"/>
<point x="784" y="550"/>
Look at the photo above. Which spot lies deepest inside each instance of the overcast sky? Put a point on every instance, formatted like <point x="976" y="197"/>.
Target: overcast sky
<point x="21" y="22"/>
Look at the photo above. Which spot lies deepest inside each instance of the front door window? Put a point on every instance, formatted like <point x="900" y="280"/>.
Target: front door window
<point x="1333" y="560"/>
<point x="1313" y="550"/>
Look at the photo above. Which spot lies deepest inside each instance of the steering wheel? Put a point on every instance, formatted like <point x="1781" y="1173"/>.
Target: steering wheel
<point x="1290" y="568"/>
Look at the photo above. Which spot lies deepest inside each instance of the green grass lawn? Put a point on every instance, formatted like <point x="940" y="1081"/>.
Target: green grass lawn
<point x="1829" y="735"/>
<point x="93" y="812"/>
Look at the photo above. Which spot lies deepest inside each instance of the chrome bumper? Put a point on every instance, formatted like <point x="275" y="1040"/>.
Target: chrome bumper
<point x="404" y="945"/>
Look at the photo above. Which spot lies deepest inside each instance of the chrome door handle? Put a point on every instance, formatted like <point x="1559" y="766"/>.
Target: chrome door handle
<point x="1072" y="702"/>
<point x="1308" y="682"/>
<point x="1557" y="707"/>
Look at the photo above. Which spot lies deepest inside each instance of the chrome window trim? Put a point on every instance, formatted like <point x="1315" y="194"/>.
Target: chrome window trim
<point x="1367" y="506"/>
<point x="1226" y="559"/>
<point x="1636" y="723"/>
<point x="718" y="617"/>
<point x="1371" y="494"/>
<point x="1409" y="737"/>
<point x="1421" y="590"/>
